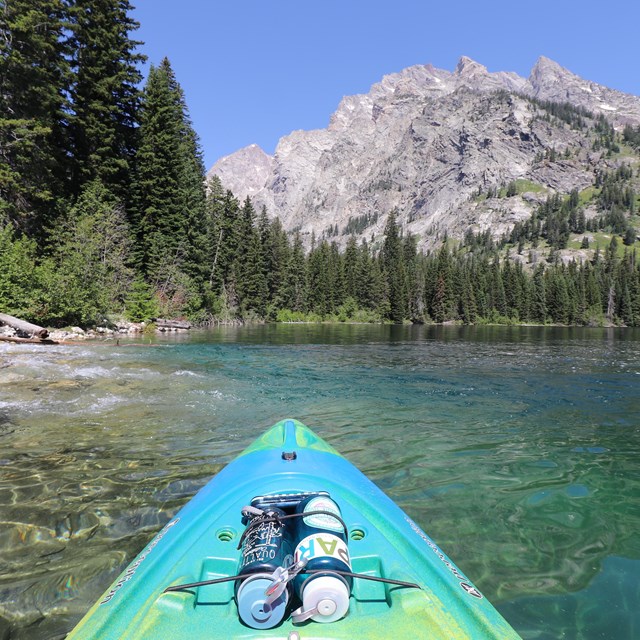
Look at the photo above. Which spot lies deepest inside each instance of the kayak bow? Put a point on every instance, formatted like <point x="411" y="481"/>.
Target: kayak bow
<point x="200" y="544"/>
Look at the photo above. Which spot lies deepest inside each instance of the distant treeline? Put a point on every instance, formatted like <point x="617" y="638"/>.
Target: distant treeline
<point x="557" y="218"/>
<point x="104" y="211"/>
<point x="254" y="271"/>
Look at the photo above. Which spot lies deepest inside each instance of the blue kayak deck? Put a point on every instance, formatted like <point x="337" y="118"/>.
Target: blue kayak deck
<point x="200" y="543"/>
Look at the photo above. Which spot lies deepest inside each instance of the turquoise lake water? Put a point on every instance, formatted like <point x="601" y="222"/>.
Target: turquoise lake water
<point x="516" y="449"/>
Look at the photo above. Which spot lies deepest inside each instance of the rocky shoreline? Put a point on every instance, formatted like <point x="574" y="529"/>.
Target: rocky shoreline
<point x="118" y="329"/>
<point x="137" y="329"/>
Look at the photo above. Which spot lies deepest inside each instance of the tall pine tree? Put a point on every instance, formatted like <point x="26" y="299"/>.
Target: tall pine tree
<point x="295" y="284"/>
<point x="104" y="93"/>
<point x="169" y="204"/>
<point x="250" y="271"/>
<point x="33" y="82"/>
<point x="394" y="270"/>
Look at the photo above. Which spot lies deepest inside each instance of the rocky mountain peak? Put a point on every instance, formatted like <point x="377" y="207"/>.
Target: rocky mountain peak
<point x="246" y="171"/>
<point x="467" y="67"/>
<point x="547" y="68"/>
<point x="550" y="81"/>
<point x="423" y="141"/>
<point x="548" y="78"/>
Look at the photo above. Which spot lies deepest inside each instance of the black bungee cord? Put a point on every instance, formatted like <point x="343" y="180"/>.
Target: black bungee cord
<point x="360" y="576"/>
<point x="270" y="516"/>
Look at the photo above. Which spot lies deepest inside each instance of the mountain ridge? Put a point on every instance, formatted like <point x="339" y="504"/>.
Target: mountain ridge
<point x="423" y="141"/>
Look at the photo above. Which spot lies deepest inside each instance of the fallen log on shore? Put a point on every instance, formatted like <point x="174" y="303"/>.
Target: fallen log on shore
<point x="163" y="324"/>
<point x="23" y="327"/>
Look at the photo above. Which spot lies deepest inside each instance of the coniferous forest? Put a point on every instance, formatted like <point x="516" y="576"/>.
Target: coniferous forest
<point x="104" y="212"/>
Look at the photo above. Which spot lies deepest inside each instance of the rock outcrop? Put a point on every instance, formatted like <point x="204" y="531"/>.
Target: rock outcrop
<point x="429" y="143"/>
<point x="246" y="171"/>
<point x="550" y="81"/>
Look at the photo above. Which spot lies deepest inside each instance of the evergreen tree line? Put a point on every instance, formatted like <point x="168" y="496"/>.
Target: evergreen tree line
<point x="103" y="210"/>
<point x="255" y="271"/>
<point x="572" y="115"/>
<point x="556" y="218"/>
<point x="553" y="220"/>
<point x="631" y="135"/>
<point x="101" y="181"/>
<point x="472" y="288"/>
<point x="258" y="272"/>
<point x="69" y="100"/>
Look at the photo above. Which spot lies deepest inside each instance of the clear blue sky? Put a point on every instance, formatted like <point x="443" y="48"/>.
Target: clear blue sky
<point x="255" y="70"/>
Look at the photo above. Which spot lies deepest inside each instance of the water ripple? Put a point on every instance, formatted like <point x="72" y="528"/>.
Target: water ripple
<point x="515" y="448"/>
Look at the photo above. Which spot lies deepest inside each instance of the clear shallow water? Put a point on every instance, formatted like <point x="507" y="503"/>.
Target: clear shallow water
<point x="516" y="449"/>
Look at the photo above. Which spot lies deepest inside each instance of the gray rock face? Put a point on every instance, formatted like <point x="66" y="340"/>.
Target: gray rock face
<point x="246" y="171"/>
<point x="549" y="81"/>
<point x="429" y="143"/>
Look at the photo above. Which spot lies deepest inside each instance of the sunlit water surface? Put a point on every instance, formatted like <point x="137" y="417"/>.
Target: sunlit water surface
<point x="516" y="449"/>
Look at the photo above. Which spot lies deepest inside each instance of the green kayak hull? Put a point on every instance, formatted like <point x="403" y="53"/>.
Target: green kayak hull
<point x="200" y="543"/>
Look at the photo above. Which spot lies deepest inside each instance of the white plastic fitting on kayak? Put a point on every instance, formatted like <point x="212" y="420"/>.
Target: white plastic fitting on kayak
<point x="327" y="597"/>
